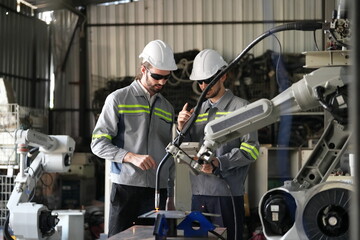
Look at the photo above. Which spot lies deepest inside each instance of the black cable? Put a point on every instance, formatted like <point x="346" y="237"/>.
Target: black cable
<point x="234" y="210"/>
<point x="6" y="229"/>
<point x="278" y="61"/>
<point x="218" y="174"/>
<point x="157" y="180"/>
<point x="216" y="234"/>
<point x="302" y="26"/>
<point x="27" y="157"/>
<point x="315" y="41"/>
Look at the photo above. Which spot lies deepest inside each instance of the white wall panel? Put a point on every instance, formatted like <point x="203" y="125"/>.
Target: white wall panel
<point x="24" y="55"/>
<point x="117" y="33"/>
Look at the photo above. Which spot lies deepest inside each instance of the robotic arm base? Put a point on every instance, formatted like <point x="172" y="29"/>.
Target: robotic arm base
<point x="33" y="222"/>
<point x="315" y="213"/>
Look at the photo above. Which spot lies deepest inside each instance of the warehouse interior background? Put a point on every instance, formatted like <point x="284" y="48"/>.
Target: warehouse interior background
<point x="59" y="59"/>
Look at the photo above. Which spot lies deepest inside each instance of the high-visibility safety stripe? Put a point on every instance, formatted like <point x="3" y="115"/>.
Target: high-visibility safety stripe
<point x="161" y="113"/>
<point x="222" y="113"/>
<point x="202" y="117"/>
<point x="137" y="108"/>
<point x="134" y="106"/>
<point x="252" y="150"/>
<point x="133" y="111"/>
<point x="162" y="116"/>
<point x="94" y="136"/>
<point x="165" y="112"/>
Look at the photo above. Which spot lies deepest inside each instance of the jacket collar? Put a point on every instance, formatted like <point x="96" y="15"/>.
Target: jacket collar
<point x="140" y="90"/>
<point x="222" y="103"/>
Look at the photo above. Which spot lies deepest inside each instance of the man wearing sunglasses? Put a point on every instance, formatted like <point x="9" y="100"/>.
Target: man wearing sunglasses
<point x="224" y="177"/>
<point x="132" y="132"/>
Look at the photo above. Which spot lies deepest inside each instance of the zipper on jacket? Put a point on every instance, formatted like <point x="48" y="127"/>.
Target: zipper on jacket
<point x="148" y="137"/>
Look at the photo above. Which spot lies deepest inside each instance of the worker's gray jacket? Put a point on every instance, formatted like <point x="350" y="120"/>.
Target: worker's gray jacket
<point x="235" y="156"/>
<point x="128" y="123"/>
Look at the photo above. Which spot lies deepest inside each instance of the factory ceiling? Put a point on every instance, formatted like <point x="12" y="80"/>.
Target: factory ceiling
<point x="50" y="5"/>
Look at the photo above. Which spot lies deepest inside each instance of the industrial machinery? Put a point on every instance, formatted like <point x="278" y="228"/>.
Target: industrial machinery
<point x="292" y="211"/>
<point x="307" y="207"/>
<point x="29" y="220"/>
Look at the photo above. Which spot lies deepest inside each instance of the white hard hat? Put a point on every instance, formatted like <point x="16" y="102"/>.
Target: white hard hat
<point x="159" y="55"/>
<point x="206" y="64"/>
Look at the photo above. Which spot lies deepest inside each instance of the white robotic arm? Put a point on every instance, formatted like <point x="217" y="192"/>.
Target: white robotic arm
<point x="29" y="220"/>
<point x="310" y="92"/>
<point x="301" y="96"/>
<point x="291" y="212"/>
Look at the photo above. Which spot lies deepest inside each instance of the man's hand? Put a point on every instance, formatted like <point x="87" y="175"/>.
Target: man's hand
<point x="184" y="116"/>
<point x="209" y="167"/>
<point x="144" y="162"/>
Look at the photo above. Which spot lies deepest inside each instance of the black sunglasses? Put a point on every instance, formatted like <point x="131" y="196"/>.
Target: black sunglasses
<point x="206" y="81"/>
<point x="159" y="76"/>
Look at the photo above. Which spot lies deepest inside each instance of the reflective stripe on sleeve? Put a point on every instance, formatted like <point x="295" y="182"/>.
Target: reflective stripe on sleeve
<point x="252" y="150"/>
<point x="95" y="136"/>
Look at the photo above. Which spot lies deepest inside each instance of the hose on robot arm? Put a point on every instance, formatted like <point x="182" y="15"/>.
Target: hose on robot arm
<point x="300" y="26"/>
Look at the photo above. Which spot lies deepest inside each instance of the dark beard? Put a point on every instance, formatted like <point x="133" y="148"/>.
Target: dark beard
<point x="152" y="87"/>
<point x="215" y="93"/>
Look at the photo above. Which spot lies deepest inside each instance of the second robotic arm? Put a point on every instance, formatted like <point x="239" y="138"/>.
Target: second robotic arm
<point x="29" y="220"/>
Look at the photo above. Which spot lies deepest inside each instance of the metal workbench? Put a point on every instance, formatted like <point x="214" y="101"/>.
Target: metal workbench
<point x="138" y="232"/>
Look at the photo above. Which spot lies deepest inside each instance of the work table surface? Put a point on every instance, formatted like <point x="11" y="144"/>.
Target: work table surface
<point x="146" y="233"/>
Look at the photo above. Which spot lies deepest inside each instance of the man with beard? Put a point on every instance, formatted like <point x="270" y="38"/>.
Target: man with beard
<point x="219" y="188"/>
<point x="132" y="132"/>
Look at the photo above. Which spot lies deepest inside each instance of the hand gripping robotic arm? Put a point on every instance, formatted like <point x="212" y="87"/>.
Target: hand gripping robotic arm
<point x="30" y="220"/>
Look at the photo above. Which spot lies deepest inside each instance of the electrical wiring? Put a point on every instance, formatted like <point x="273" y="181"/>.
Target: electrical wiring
<point x="331" y="32"/>
<point x="316" y="45"/>
<point x="303" y="26"/>
<point x="6" y="229"/>
<point x="218" y="235"/>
